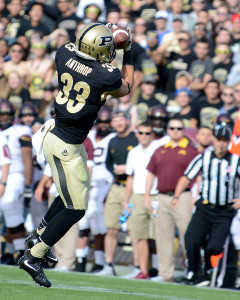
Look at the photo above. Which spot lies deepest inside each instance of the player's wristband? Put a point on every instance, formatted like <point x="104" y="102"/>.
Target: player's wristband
<point x="127" y="58"/>
<point x="3" y="183"/>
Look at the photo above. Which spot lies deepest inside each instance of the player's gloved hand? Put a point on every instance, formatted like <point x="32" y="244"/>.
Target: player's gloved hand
<point x="27" y="195"/>
<point x="129" y="47"/>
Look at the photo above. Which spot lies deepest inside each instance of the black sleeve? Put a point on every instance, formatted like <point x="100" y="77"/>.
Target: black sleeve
<point x="25" y="141"/>
<point x="109" y="160"/>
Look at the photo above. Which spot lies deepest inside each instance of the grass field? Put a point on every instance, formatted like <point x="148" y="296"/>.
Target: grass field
<point x="16" y="284"/>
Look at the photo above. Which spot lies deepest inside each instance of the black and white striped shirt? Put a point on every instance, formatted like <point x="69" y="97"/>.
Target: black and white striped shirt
<point x="218" y="176"/>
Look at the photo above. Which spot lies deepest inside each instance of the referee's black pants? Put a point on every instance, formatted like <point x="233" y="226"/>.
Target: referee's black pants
<point x="207" y="221"/>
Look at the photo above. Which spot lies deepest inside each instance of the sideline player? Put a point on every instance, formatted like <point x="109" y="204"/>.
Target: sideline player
<point x="85" y="77"/>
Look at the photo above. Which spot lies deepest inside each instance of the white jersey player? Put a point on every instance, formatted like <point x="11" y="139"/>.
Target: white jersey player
<point x="19" y="179"/>
<point x="101" y="182"/>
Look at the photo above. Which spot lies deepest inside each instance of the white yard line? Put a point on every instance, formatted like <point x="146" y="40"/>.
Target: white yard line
<point x="99" y="290"/>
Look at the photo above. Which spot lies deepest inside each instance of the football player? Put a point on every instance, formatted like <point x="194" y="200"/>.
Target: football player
<point x="101" y="182"/>
<point x="19" y="179"/>
<point x="85" y="78"/>
<point x="158" y="116"/>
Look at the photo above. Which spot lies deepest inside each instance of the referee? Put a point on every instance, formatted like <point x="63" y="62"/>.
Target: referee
<point x="216" y="205"/>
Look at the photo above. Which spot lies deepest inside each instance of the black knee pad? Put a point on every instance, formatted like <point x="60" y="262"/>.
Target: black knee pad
<point x="84" y="232"/>
<point x="17" y="229"/>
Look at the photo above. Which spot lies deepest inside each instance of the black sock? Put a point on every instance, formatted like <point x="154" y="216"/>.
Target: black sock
<point x="60" y="224"/>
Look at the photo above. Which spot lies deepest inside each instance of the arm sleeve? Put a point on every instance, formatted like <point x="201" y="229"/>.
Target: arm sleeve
<point x="194" y="167"/>
<point x="129" y="166"/>
<point x="152" y="166"/>
<point x="25" y="141"/>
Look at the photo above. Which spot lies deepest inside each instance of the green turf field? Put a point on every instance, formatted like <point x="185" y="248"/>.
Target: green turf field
<point x="17" y="284"/>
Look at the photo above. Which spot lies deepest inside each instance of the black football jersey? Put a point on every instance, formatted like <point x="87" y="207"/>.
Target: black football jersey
<point x="82" y="84"/>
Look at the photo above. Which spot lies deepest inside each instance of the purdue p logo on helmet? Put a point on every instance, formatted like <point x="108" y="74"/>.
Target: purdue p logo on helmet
<point x="95" y="42"/>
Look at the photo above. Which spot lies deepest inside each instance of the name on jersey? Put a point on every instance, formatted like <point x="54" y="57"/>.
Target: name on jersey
<point x="78" y="67"/>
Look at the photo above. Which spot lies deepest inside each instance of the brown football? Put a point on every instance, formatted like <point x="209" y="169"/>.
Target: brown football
<point x="121" y="36"/>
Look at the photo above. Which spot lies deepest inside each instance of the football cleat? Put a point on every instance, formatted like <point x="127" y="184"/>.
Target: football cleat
<point x="33" y="266"/>
<point x="96" y="268"/>
<point x="32" y="240"/>
<point x="80" y="265"/>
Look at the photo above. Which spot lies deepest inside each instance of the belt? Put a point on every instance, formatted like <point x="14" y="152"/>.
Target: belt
<point x="120" y="183"/>
<point x="205" y="202"/>
<point x="172" y="193"/>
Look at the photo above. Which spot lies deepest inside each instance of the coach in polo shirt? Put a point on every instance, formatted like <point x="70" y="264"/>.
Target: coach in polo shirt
<point x="168" y="164"/>
<point x="216" y="206"/>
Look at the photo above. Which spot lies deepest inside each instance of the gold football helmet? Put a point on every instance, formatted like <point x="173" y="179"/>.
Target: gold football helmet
<point x="95" y="42"/>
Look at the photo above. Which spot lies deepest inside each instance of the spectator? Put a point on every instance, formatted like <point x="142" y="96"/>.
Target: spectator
<point x="101" y="6"/>
<point x="167" y="164"/>
<point x="113" y="15"/>
<point x="140" y="28"/>
<point x="223" y="64"/>
<point x="176" y="10"/>
<point x="152" y="47"/>
<point x="55" y="40"/>
<point x="35" y="12"/>
<point x="37" y="69"/>
<point x="16" y="63"/>
<point x="160" y="21"/>
<point x="229" y="104"/>
<point x="170" y="42"/>
<point x="216" y="205"/>
<point x="200" y="69"/>
<point x="14" y="8"/>
<point x="147" y="98"/>
<point x="25" y="42"/>
<point x="221" y="18"/>
<point x="92" y="13"/>
<point x="199" y="32"/>
<point x="14" y="90"/>
<point x="184" y="99"/>
<point x="176" y="62"/>
<point x="147" y="11"/>
<point x="205" y="112"/>
<point x="67" y="19"/>
<point x="233" y="6"/>
<point x="118" y="149"/>
<point x="197" y="6"/>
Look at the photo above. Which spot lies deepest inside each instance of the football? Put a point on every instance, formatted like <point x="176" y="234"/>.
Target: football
<point x="121" y="36"/>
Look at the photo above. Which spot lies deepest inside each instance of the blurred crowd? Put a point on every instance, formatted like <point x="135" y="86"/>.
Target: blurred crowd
<point x="186" y="79"/>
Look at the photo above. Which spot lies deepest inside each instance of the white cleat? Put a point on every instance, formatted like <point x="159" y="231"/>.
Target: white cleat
<point x="106" y="271"/>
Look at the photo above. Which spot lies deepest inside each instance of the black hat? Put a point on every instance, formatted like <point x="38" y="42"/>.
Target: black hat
<point x="222" y="131"/>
